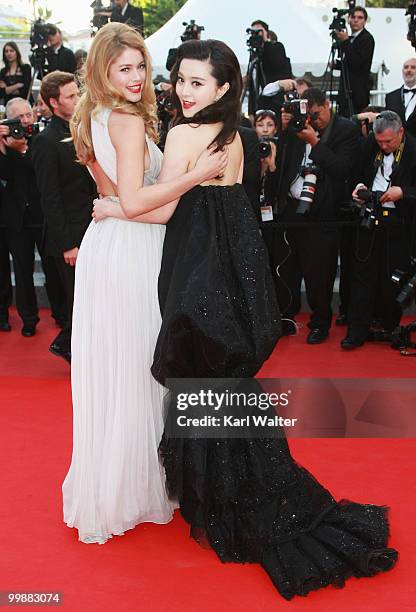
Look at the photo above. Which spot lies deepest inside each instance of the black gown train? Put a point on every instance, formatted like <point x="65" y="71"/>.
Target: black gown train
<point x="247" y="498"/>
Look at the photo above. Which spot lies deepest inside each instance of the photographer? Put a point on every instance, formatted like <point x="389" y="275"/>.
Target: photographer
<point x="67" y="191"/>
<point x="314" y="167"/>
<point x="123" y="12"/>
<point x="59" y="57"/>
<point x="276" y="65"/>
<point x="385" y="235"/>
<point x="24" y="220"/>
<point x="358" y="50"/>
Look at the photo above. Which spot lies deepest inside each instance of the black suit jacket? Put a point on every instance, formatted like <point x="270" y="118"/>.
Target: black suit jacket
<point x="395" y="102"/>
<point x="21" y="198"/>
<point x="276" y="64"/>
<point x="63" y="60"/>
<point x="358" y="58"/>
<point x="404" y="176"/>
<point x="133" y="17"/>
<point x="334" y="154"/>
<point x="67" y="189"/>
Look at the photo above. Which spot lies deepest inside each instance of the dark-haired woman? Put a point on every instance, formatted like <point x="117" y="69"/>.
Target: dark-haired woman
<point x="247" y="498"/>
<point x="15" y="77"/>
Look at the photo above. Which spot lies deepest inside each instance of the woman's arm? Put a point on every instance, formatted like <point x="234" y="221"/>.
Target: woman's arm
<point x="127" y="133"/>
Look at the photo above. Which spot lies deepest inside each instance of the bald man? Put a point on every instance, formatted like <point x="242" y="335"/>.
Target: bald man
<point x="403" y="100"/>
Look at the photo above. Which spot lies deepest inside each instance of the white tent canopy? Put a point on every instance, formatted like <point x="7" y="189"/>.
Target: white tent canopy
<point x="302" y="28"/>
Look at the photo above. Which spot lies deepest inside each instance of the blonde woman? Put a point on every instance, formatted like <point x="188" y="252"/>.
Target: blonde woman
<point x="115" y="480"/>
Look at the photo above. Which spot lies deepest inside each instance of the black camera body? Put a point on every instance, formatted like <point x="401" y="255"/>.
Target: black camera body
<point x="298" y="108"/>
<point x="192" y="31"/>
<point x="411" y="32"/>
<point x="18" y="131"/>
<point x="264" y="147"/>
<point x="371" y="210"/>
<point x="255" y="42"/>
<point x="406" y="279"/>
<point x="39" y="49"/>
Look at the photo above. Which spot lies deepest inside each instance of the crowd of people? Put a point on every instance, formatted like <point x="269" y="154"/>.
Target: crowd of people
<point x="141" y="305"/>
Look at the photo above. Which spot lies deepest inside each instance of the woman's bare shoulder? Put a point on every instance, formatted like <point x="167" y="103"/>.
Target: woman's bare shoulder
<point x="125" y="121"/>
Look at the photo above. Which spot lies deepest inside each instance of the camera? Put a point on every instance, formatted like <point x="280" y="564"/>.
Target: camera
<point x="98" y="20"/>
<point x="18" y="131"/>
<point x="411" y="32"/>
<point x="192" y="31"/>
<point x="264" y="147"/>
<point x="255" y="42"/>
<point x="370" y="211"/>
<point x="39" y="50"/>
<point x="298" y="108"/>
<point x="406" y="279"/>
<point x="339" y="23"/>
<point x="310" y="174"/>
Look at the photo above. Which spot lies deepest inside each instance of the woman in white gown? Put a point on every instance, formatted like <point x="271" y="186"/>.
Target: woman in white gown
<point x="115" y="480"/>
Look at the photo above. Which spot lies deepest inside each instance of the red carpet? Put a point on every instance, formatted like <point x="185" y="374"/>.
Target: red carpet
<point x="158" y="568"/>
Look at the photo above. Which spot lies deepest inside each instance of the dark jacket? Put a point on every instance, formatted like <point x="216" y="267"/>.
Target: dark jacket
<point x="358" y="58"/>
<point x="276" y="64"/>
<point x="63" y="60"/>
<point x="404" y="175"/>
<point x="67" y="189"/>
<point x="133" y="17"/>
<point x="25" y="77"/>
<point x="21" y="198"/>
<point x="334" y="155"/>
<point x="395" y="102"/>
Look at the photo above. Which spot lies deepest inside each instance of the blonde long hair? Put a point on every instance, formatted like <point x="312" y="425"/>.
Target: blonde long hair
<point x="99" y="93"/>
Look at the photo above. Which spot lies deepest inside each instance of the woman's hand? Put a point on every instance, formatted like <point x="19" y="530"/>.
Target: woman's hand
<point x="211" y="165"/>
<point x="102" y="208"/>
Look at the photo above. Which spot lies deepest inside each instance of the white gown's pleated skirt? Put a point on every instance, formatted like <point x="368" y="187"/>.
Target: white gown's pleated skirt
<point x="115" y="480"/>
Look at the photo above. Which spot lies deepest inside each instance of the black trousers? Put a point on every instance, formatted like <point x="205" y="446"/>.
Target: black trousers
<point x="22" y="247"/>
<point x="347" y="237"/>
<point x="6" y="292"/>
<point x="377" y="253"/>
<point x="311" y="254"/>
<point x="67" y="276"/>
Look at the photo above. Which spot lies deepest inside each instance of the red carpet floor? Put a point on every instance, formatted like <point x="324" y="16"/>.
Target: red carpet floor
<point x="159" y="568"/>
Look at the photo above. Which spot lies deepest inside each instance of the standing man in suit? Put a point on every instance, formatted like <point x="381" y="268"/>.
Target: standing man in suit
<point x="403" y="100"/>
<point x="67" y="190"/>
<point x="358" y="51"/>
<point x="59" y="57"/>
<point x="24" y="221"/>
<point x="328" y="145"/>
<point x="388" y="165"/>
<point x="126" y="13"/>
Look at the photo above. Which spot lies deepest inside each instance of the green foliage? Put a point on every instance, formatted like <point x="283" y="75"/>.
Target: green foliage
<point x="387" y="3"/>
<point x="157" y="12"/>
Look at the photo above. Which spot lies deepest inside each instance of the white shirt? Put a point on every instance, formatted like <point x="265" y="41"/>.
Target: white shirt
<point x="124" y="9"/>
<point x="382" y="179"/>
<point x="409" y="99"/>
<point x="354" y="35"/>
<point x="271" y="89"/>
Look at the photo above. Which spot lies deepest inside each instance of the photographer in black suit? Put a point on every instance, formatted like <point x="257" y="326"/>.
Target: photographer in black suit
<point x="403" y="100"/>
<point x="59" y="57"/>
<point x="126" y="13"/>
<point x="24" y="220"/>
<point x="358" y="50"/>
<point x="329" y="143"/>
<point x="67" y="190"/>
<point x="276" y="65"/>
<point x="388" y="166"/>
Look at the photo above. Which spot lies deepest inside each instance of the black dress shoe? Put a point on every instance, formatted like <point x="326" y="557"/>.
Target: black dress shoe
<point x="29" y="330"/>
<point x="316" y="336"/>
<point x="4" y="326"/>
<point x="350" y="342"/>
<point x="60" y="352"/>
<point x="288" y="328"/>
<point x="341" y="320"/>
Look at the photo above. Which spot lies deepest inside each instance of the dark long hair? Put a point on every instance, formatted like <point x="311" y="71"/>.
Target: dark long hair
<point x="13" y="45"/>
<point x="225" y="69"/>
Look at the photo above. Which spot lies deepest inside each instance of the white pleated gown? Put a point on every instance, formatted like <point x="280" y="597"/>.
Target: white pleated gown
<point x="115" y="480"/>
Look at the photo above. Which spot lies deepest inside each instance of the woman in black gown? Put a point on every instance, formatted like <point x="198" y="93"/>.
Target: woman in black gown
<point x="15" y="77"/>
<point x="247" y="498"/>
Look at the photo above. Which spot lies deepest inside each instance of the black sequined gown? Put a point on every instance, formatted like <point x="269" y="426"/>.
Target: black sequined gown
<point x="247" y="498"/>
